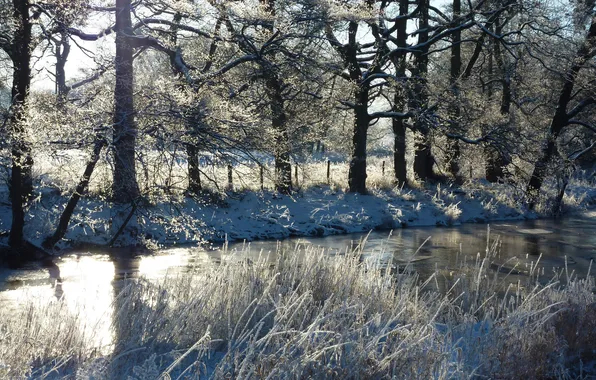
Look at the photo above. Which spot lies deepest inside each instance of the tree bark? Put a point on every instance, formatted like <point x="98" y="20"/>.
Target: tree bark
<point x="453" y="150"/>
<point x="561" y="118"/>
<point x="423" y="158"/>
<point x="192" y="123"/>
<point x="194" y="173"/>
<point x="399" y="151"/>
<point x="399" y="99"/>
<point x="357" y="173"/>
<point x="496" y="161"/>
<point x="283" y="167"/>
<point x="81" y="189"/>
<point x="21" y="183"/>
<point x="62" y="52"/>
<point x="125" y="187"/>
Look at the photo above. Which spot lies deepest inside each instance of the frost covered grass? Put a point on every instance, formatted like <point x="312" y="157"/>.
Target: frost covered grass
<point x="308" y="314"/>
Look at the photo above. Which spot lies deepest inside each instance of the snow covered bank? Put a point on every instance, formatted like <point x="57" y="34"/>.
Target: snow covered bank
<point x="249" y="215"/>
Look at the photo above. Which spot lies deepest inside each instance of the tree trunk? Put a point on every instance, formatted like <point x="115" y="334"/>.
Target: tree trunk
<point x="399" y="151"/>
<point x="21" y="183"/>
<point x="423" y="158"/>
<point x="560" y="118"/>
<point x="453" y="156"/>
<point x="496" y="160"/>
<point x="62" y="52"/>
<point x="81" y="189"/>
<point x="357" y="172"/>
<point x="283" y="167"/>
<point x="125" y="187"/>
<point x="194" y="173"/>
<point x="399" y="99"/>
<point x="453" y="150"/>
<point x="193" y="123"/>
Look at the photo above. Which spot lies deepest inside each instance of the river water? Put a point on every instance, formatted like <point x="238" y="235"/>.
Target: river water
<point x="88" y="282"/>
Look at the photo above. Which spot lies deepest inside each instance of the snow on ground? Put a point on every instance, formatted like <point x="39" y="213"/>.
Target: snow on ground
<point x="320" y="207"/>
<point x="248" y="215"/>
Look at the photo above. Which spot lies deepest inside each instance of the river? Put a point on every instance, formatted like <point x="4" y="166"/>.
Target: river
<point x="88" y="282"/>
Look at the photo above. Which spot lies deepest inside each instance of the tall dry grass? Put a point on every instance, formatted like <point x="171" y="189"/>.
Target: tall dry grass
<point x="308" y="314"/>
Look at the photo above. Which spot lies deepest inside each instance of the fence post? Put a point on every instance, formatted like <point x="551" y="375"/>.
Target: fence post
<point x="261" y="176"/>
<point x="296" y="173"/>
<point x="328" y="171"/>
<point x="383" y="169"/>
<point x="230" y="183"/>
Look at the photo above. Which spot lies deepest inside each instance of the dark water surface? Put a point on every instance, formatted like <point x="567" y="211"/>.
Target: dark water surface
<point x="88" y="282"/>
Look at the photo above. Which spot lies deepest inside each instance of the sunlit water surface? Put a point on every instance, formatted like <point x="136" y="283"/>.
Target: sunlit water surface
<point x="88" y="283"/>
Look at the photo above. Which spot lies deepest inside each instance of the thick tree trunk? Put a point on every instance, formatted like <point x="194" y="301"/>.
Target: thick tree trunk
<point x="423" y="158"/>
<point x="399" y="99"/>
<point x="125" y="187"/>
<point x="194" y="173"/>
<point x="283" y="167"/>
<point x="560" y="118"/>
<point x="81" y="189"/>
<point x="194" y="122"/>
<point x="453" y="151"/>
<point x="399" y="151"/>
<point x="357" y="172"/>
<point x="21" y="183"/>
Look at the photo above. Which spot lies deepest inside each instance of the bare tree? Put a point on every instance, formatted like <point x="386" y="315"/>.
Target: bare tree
<point x="564" y="116"/>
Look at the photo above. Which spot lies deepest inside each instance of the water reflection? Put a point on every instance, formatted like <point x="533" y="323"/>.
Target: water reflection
<point x="89" y="284"/>
<point x="533" y="244"/>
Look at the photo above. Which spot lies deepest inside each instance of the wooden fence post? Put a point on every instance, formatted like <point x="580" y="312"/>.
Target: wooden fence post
<point x="383" y="169"/>
<point x="296" y="174"/>
<point x="328" y="171"/>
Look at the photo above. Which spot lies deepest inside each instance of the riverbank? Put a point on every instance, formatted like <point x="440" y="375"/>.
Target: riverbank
<point x="315" y="315"/>
<point x="253" y="215"/>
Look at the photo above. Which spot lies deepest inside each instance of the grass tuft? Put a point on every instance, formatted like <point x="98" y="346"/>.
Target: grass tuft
<point x="307" y="313"/>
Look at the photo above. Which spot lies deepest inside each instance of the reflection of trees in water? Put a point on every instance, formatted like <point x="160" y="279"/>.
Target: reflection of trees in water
<point x="126" y="267"/>
<point x="532" y="244"/>
<point x="55" y="278"/>
<point x="138" y="315"/>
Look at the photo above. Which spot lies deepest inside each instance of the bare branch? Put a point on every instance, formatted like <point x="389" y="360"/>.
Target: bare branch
<point x="391" y="114"/>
